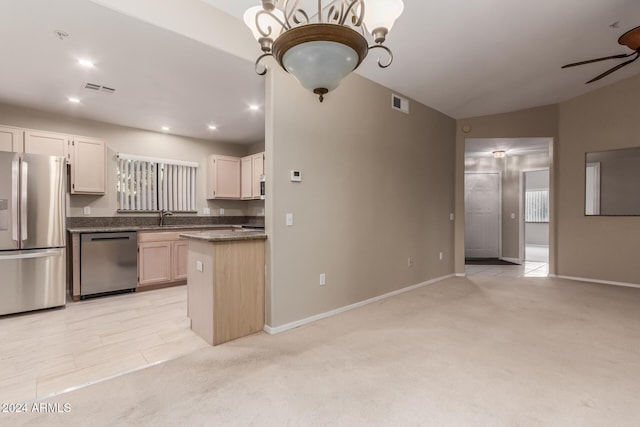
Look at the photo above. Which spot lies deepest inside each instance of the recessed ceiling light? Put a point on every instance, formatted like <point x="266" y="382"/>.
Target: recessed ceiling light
<point x="212" y="127"/>
<point x="499" y="154"/>
<point x="86" y="63"/>
<point x="74" y="100"/>
<point x="254" y="107"/>
<point x="166" y="128"/>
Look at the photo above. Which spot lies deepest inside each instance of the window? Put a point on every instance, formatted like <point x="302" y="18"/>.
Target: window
<point x="148" y="184"/>
<point x="536" y="206"/>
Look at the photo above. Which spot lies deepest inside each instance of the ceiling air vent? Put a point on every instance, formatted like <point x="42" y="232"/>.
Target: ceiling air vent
<point x="99" y="88"/>
<point x="399" y="103"/>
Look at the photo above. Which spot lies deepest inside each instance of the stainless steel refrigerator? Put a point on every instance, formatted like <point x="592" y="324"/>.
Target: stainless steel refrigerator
<point x="32" y="232"/>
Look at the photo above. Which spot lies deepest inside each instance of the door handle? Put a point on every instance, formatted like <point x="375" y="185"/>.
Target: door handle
<point x="23" y="201"/>
<point x="15" y="184"/>
<point x="96" y="239"/>
<point x="28" y="255"/>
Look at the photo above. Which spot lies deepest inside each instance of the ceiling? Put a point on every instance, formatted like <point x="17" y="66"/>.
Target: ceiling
<point x="462" y="58"/>
<point x="484" y="147"/>
<point x="160" y="78"/>
<point x="473" y="58"/>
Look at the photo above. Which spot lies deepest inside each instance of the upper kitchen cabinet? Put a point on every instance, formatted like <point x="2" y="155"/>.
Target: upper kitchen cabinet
<point x="223" y="177"/>
<point x="252" y="169"/>
<point x="11" y="139"/>
<point x="87" y="160"/>
<point x="46" y="143"/>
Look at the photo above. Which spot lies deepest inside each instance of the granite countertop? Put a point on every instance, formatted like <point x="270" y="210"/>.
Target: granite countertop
<point x="226" y="235"/>
<point x="121" y="228"/>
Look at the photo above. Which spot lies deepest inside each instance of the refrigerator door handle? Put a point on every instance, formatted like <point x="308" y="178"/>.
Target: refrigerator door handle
<point x="15" y="184"/>
<point x="23" y="201"/>
<point x="28" y="255"/>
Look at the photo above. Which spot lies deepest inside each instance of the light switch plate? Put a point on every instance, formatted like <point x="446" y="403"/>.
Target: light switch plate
<point x="289" y="219"/>
<point x="451" y="217"/>
<point x="296" y="176"/>
<point x="199" y="266"/>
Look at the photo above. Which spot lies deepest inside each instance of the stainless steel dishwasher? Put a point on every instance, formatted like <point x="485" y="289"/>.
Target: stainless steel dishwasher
<point x="108" y="263"/>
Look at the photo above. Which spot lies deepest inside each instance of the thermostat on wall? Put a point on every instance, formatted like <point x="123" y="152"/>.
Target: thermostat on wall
<point x="296" y="176"/>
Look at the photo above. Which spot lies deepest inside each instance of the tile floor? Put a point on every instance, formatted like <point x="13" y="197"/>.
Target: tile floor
<point x="527" y="269"/>
<point x="48" y="352"/>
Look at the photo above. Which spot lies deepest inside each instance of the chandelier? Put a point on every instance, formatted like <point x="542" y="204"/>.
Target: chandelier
<point x="324" y="42"/>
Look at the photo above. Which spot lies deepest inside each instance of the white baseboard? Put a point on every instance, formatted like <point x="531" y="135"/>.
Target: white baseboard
<point x="513" y="260"/>
<point x="278" y="329"/>
<point x="461" y="274"/>
<point x="603" y="282"/>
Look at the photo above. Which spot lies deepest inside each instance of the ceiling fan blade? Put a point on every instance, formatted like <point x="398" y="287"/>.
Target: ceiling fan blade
<point x="622" y="55"/>
<point x="611" y="70"/>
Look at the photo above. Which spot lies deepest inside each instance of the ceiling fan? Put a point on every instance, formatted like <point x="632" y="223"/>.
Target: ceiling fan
<point x="631" y="39"/>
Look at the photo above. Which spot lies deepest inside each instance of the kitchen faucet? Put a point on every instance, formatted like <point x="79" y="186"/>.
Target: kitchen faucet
<point x="163" y="214"/>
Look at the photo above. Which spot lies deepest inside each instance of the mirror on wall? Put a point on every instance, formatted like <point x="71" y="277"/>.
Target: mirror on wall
<point x="612" y="184"/>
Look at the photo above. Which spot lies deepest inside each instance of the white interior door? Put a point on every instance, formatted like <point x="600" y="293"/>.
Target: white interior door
<point x="482" y="215"/>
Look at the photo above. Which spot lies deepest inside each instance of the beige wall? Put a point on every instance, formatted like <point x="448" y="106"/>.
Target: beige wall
<point x="377" y="188"/>
<point x="133" y="141"/>
<point x="511" y="168"/>
<point x="531" y="123"/>
<point x="604" y="248"/>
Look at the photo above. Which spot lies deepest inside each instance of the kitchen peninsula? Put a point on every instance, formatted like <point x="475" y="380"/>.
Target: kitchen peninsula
<point x="225" y="283"/>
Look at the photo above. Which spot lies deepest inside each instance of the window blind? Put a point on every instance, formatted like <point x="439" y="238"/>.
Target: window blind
<point x="536" y="206"/>
<point x="152" y="184"/>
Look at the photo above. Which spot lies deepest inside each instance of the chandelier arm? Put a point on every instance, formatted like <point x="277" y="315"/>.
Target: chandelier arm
<point x="260" y="58"/>
<point x="290" y="13"/>
<point x="386" y="49"/>
<point x="269" y="30"/>
<point x="333" y="15"/>
<point x="356" y="19"/>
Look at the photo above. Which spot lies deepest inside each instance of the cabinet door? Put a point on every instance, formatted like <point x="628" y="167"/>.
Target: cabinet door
<point x="11" y="139"/>
<point x="88" y="166"/>
<point x="180" y="250"/>
<point x="154" y="263"/>
<point x="47" y="143"/>
<point x="246" y="180"/>
<point x="257" y="170"/>
<point x="224" y="177"/>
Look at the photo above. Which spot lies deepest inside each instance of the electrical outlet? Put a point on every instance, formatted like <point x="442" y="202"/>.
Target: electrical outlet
<point x="86" y="210"/>
<point x="323" y="279"/>
<point x="199" y="266"/>
<point x="410" y="261"/>
<point x="441" y="256"/>
<point x="451" y="216"/>
<point x="289" y="219"/>
<point x="513" y="215"/>
<point x="221" y="211"/>
<point x="206" y="211"/>
<point x="261" y="212"/>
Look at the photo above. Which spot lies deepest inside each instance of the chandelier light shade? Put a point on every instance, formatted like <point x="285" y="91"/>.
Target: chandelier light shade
<point x="321" y="47"/>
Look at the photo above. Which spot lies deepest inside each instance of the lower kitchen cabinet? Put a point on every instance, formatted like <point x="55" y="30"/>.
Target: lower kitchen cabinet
<point x="180" y="251"/>
<point x="162" y="258"/>
<point x="154" y="263"/>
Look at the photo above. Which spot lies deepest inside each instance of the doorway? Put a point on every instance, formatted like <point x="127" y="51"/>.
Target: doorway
<point x="482" y="196"/>
<point x="535" y="199"/>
